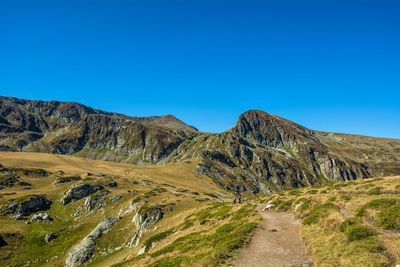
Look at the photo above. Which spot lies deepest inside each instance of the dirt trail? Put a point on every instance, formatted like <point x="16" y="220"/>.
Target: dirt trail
<point x="276" y="243"/>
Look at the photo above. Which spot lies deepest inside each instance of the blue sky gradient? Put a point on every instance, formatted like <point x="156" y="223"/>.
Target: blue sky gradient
<point x="329" y="65"/>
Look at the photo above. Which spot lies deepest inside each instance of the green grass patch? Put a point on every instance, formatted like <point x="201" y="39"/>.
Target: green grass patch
<point x="375" y="190"/>
<point x="319" y="212"/>
<point x="389" y="218"/>
<point x="157" y="237"/>
<point x="377" y="204"/>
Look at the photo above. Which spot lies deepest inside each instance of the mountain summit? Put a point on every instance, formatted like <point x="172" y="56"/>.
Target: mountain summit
<point x="261" y="153"/>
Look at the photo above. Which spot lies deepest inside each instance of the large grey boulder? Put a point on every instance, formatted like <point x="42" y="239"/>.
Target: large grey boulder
<point x="79" y="191"/>
<point x="84" y="250"/>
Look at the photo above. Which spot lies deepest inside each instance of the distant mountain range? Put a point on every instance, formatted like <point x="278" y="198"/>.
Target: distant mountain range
<point x="261" y="153"/>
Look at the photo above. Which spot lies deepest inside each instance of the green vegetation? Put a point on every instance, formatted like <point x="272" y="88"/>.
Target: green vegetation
<point x="375" y="191"/>
<point x="157" y="237"/>
<point x="224" y="242"/>
<point x="389" y="218"/>
<point x="285" y="205"/>
<point x="354" y="230"/>
<point x="318" y="212"/>
<point x="377" y="204"/>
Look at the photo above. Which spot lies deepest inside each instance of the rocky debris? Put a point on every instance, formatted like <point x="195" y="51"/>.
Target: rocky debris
<point x="79" y="191"/>
<point x="144" y="218"/>
<point x="68" y="179"/>
<point x="8" y="181"/>
<point x="60" y="173"/>
<point x="2" y="242"/>
<point x="112" y="184"/>
<point x="97" y="200"/>
<point x="49" y="237"/>
<point x="115" y="199"/>
<point x="85" y="249"/>
<point x="41" y="217"/>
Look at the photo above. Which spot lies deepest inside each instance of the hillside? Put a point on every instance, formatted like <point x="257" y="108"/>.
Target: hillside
<point x="104" y="213"/>
<point x="262" y="153"/>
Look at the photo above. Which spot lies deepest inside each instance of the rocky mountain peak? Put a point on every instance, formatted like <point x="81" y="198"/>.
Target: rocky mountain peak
<point x="271" y="130"/>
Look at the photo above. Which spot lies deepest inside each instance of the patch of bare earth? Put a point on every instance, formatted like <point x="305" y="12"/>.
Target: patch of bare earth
<point x="276" y="243"/>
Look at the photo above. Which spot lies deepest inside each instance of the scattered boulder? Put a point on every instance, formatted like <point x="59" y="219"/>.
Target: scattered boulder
<point x="85" y="249"/>
<point x="79" y="191"/>
<point x="41" y="217"/>
<point x="49" y="237"/>
<point x="60" y="173"/>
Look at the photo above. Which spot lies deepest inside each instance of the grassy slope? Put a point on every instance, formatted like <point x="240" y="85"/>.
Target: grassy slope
<point x="196" y="226"/>
<point x="333" y="235"/>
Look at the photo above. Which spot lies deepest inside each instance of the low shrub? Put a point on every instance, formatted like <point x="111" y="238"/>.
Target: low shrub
<point x="285" y="205"/>
<point x="318" y="212"/>
<point x="375" y="191"/>
<point x="157" y="237"/>
<point x="345" y="197"/>
<point x="358" y="232"/>
<point x="377" y="204"/>
<point x="389" y="218"/>
<point x="305" y="206"/>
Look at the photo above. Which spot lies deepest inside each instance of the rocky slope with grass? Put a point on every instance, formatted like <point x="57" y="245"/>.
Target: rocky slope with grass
<point x="117" y="214"/>
<point x="262" y="153"/>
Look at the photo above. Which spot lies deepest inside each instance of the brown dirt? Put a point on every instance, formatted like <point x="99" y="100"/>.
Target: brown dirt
<point x="276" y="243"/>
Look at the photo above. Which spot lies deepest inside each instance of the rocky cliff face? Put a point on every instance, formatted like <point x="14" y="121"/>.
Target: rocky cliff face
<point x="262" y="153"/>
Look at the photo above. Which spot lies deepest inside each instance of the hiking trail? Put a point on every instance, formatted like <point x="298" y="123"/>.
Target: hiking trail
<point x="277" y="242"/>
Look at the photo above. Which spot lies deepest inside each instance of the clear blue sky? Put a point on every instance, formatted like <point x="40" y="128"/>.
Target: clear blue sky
<point x="329" y="65"/>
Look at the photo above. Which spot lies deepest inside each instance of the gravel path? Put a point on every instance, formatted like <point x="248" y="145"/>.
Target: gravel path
<point x="276" y="243"/>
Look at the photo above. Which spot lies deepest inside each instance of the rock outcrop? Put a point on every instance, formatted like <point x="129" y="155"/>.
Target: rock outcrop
<point x="143" y="219"/>
<point x="85" y="249"/>
<point x="24" y="207"/>
<point x="97" y="200"/>
<point x="79" y="191"/>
